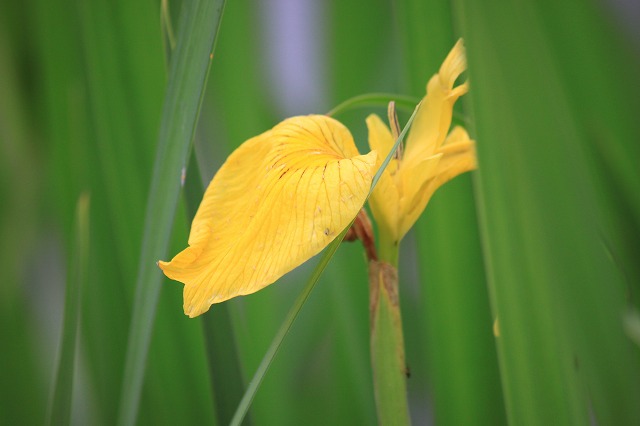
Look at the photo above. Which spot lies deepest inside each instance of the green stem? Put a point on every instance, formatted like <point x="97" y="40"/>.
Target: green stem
<point x="375" y="99"/>
<point x="387" y="342"/>
<point x="389" y="248"/>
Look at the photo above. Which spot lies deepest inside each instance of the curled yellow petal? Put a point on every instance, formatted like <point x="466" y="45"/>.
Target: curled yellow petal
<point x="433" y="119"/>
<point x="458" y="156"/>
<point x="278" y="200"/>
<point x="454" y="64"/>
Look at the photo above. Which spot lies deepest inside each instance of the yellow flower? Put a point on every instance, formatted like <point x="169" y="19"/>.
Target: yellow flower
<point x="278" y="200"/>
<point x="431" y="157"/>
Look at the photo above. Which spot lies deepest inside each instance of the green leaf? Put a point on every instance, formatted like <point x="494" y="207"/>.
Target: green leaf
<point x="190" y="63"/>
<point x="557" y="292"/>
<point x="450" y="322"/>
<point x="61" y="397"/>
<point x="23" y="396"/>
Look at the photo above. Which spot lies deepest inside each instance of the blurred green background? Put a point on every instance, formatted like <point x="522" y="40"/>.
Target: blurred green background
<point x="543" y="241"/>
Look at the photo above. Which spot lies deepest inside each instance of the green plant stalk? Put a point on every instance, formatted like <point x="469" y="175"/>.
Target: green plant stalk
<point x="387" y="342"/>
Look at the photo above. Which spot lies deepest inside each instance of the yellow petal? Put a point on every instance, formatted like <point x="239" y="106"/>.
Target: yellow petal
<point x="456" y="156"/>
<point x="433" y="120"/>
<point x="454" y="64"/>
<point x="380" y="137"/>
<point x="384" y="200"/>
<point x="459" y="156"/>
<point x="278" y="200"/>
<point x="385" y="205"/>
<point x="416" y="180"/>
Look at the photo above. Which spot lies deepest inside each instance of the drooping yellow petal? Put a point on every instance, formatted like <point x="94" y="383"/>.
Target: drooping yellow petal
<point x="278" y="200"/>
<point x="433" y="119"/>
<point x="385" y="199"/>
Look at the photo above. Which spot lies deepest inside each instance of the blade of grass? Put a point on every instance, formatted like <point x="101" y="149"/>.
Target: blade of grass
<point x="219" y="372"/>
<point x="225" y="373"/>
<point x="61" y="396"/>
<point x="190" y="63"/>
<point x="250" y="393"/>
<point x="397" y="143"/>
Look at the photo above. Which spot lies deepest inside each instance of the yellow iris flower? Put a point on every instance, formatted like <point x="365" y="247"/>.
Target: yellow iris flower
<point x="284" y="195"/>
<point x="431" y="156"/>
<point x="278" y="200"/>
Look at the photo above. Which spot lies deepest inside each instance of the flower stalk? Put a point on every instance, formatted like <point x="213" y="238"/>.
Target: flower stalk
<point x="386" y="339"/>
<point x="387" y="344"/>
<point x="432" y="156"/>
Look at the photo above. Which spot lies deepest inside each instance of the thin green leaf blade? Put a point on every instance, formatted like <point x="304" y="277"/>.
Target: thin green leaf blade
<point x="61" y="396"/>
<point x="197" y="31"/>
<point x="123" y="91"/>
<point x="250" y="393"/>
